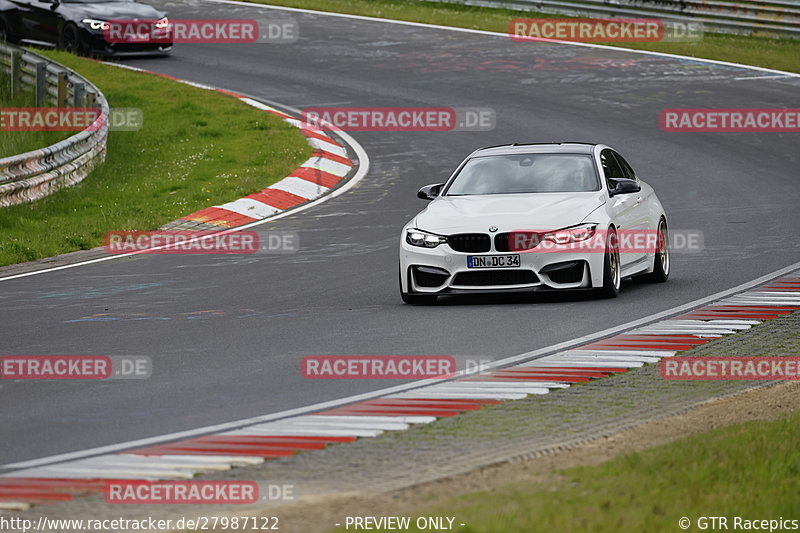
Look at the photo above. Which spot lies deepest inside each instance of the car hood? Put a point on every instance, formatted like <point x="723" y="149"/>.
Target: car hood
<point x="508" y="212"/>
<point x="113" y="11"/>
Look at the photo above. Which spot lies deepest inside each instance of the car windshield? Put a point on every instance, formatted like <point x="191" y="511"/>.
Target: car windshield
<point x="525" y="173"/>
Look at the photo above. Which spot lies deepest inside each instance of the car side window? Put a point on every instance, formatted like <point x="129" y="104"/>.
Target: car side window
<point x="626" y="168"/>
<point x="611" y="168"/>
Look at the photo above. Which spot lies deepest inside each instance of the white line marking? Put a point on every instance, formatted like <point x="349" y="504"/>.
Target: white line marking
<point x="14" y="506"/>
<point x="777" y="76"/>
<point x="327" y="147"/>
<point x="762" y="301"/>
<point x="327" y="165"/>
<point x="300" y="187"/>
<point x="194" y="84"/>
<point x="316" y="422"/>
<point x="607" y="353"/>
<point x="80" y="472"/>
<point x="513" y="389"/>
<point x="249" y="208"/>
<point x="305" y="126"/>
<point x="712" y="333"/>
<point x="127" y="459"/>
<point x="505" y="36"/>
<point x="772" y="294"/>
<point x="453" y="395"/>
<point x="247" y="423"/>
<point x="382" y="418"/>
<point x="513" y="381"/>
<point x="743" y="323"/>
<point x="260" y="105"/>
<point x="623" y="358"/>
<point x="609" y="362"/>
<point x="571" y="365"/>
<point x="286" y="431"/>
<point x="235" y="460"/>
<point x="361" y="172"/>
<point x="702" y="324"/>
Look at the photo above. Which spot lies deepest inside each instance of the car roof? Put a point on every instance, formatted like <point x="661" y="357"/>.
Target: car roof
<point x="536" y="148"/>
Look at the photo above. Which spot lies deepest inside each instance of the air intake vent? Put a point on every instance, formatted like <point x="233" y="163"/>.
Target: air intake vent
<point x="473" y="243"/>
<point x="486" y="278"/>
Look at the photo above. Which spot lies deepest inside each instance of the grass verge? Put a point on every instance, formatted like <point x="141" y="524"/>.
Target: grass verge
<point x="749" y="470"/>
<point x="197" y="148"/>
<point x="19" y="142"/>
<point x="747" y="467"/>
<point x="782" y="54"/>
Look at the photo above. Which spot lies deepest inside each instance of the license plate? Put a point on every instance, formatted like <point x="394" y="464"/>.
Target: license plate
<point x="493" y="261"/>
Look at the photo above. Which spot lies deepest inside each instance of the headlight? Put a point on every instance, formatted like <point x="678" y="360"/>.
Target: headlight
<point x="424" y="239"/>
<point x="97" y="24"/>
<point x="163" y="23"/>
<point x="569" y="235"/>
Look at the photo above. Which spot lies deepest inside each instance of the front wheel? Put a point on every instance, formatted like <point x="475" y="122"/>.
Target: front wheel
<point x="661" y="264"/>
<point x="416" y="299"/>
<point x="5" y="33"/>
<point x="612" y="277"/>
<point x="69" y="39"/>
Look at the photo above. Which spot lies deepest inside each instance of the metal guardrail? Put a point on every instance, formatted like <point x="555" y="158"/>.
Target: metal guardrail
<point x="772" y="18"/>
<point x="34" y="175"/>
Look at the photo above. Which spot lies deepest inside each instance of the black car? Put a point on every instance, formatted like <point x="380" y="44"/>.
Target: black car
<point x="80" y="26"/>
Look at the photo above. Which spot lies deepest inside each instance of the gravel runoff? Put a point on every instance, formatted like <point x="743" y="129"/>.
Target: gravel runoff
<point x="510" y="431"/>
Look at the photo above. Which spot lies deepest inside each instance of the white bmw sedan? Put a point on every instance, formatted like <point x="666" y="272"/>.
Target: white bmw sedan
<point x="526" y="217"/>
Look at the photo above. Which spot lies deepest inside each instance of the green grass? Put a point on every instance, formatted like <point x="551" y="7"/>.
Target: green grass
<point x="197" y="148"/>
<point x="782" y="54"/>
<point x="750" y="470"/>
<point x="19" y="142"/>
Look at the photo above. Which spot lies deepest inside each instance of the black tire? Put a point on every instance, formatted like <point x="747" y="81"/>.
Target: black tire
<point x="661" y="261"/>
<point x="5" y="32"/>
<point x="612" y="278"/>
<point x="416" y="299"/>
<point x="69" y="40"/>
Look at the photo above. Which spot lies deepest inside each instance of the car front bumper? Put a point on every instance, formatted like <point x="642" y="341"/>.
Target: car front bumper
<point x="442" y="270"/>
<point x="99" y="46"/>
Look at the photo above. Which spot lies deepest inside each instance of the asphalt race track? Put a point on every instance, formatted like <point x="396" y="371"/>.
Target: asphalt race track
<point x="226" y="333"/>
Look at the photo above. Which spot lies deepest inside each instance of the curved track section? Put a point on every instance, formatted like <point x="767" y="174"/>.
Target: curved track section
<point x="225" y="334"/>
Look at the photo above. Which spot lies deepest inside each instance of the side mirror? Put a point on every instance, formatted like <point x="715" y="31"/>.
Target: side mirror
<point x="624" y="186"/>
<point x="429" y="192"/>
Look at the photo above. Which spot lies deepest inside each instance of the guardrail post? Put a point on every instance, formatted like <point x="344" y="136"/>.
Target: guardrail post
<point x="62" y="92"/>
<point x="41" y="84"/>
<point x="91" y="99"/>
<point x="78" y="94"/>
<point x="16" y="73"/>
